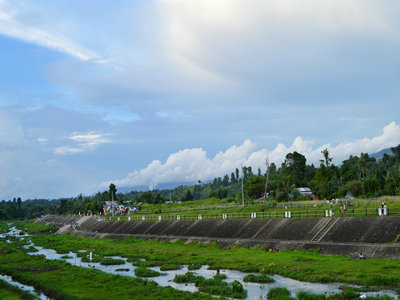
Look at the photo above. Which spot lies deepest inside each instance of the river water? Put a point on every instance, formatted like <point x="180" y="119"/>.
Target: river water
<point x="254" y="290"/>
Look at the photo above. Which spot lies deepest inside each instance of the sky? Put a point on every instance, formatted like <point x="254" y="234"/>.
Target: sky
<point x="143" y="93"/>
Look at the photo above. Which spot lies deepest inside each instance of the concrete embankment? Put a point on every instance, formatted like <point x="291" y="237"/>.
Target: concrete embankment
<point x="373" y="236"/>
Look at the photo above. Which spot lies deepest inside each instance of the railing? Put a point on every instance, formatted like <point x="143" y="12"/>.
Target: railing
<point x="353" y="212"/>
<point x="284" y="205"/>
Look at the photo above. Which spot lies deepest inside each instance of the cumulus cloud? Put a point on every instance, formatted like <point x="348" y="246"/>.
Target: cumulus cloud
<point x="190" y="165"/>
<point x="86" y="141"/>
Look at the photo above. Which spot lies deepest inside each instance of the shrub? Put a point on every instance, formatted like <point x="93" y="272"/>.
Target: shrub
<point x="168" y="267"/>
<point x="144" y="272"/>
<point x="279" y="293"/>
<point x="307" y="296"/>
<point x="262" y="278"/>
<point x="192" y="267"/>
<point x="111" y="261"/>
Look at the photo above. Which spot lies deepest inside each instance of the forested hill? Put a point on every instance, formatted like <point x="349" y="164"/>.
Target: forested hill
<point x="359" y="176"/>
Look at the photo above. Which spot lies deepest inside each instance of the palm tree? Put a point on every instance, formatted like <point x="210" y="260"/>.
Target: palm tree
<point x="327" y="160"/>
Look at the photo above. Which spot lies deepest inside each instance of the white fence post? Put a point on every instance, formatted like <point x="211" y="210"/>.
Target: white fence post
<point x="326" y="213"/>
<point x="129" y="218"/>
<point x="159" y="218"/>
<point x="178" y="217"/>
<point x="143" y="218"/>
<point x="199" y="217"/>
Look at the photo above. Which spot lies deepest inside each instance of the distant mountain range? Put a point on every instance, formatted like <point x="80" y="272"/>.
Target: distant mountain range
<point x="380" y="154"/>
<point x="161" y="186"/>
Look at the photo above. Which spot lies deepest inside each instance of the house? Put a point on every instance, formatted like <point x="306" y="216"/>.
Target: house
<point x="119" y="209"/>
<point x="305" y="191"/>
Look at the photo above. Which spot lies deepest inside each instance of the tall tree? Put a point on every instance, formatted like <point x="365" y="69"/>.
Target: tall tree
<point x="327" y="160"/>
<point x="237" y="174"/>
<point x="294" y="166"/>
<point x="396" y="154"/>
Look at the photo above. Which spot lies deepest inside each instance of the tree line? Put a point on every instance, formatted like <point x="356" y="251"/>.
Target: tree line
<point x="358" y="176"/>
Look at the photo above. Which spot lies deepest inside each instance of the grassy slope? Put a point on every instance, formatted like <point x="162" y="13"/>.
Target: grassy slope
<point x="216" y="206"/>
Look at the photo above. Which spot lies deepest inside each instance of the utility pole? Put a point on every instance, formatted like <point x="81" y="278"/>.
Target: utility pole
<point x="266" y="180"/>
<point x="241" y="165"/>
<point x="112" y="203"/>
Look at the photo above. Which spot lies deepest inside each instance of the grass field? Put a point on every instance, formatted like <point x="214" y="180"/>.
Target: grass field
<point x="214" y="208"/>
<point x="301" y="265"/>
<point x="63" y="281"/>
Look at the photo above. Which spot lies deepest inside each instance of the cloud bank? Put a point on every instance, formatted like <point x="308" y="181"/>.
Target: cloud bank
<point x="190" y="165"/>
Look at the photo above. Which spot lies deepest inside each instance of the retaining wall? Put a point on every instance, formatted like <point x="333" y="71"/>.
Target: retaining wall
<point x="373" y="236"/>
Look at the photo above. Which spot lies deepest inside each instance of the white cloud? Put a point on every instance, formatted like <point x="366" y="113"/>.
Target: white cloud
<point x="192" y="164"/>
<point x="11" y="26"/>
<point x="85" y="142"/>
<point x="89" y="139"/>
<point x="67" y="150"/>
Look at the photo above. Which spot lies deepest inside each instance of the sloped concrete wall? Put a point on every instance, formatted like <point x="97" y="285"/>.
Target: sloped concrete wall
<point x="345" y="230"/>
<point x="366" y="230"/>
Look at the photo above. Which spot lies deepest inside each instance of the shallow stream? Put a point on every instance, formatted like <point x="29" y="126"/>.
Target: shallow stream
<point x="254" y="290"/>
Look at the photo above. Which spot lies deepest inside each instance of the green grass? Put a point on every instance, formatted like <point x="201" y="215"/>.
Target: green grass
<point x="3" y="227"/>
<point x="33" y="227"/>
<point x="279" y="293"/>
<point x="10" y="292"/>
<point x="302" y="265"/>
<point x="261" y="278"/>
<point x="192" y="267"/>
<point x="108" y="261"/>
<point x="169" y="267"/>
<point x="214" y="286"/>
<point x="273" y="209"/>
<point x="60" y="280"/>
<point x="144" y="272"/>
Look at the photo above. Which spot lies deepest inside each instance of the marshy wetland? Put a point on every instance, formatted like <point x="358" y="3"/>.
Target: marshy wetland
<point x="59" y="266"/>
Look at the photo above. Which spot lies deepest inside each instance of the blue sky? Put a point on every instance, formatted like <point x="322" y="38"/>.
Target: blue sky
<point x="147" y="92"/>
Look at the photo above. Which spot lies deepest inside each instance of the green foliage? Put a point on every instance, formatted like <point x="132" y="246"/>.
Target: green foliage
<point x="10" y="292"/>
<point x="308" y="296"/>
<point x="193" y="267"/>
<point x="279" y="293"/>
<point x="214" y="286"/>
<point x="168" y="267"/>
<point x="261" y="278"/>
<point x="60" y="280"/>
<point x="301" y="265"/>
<point x="108" y="261"/>
<point x="145" y="272"/>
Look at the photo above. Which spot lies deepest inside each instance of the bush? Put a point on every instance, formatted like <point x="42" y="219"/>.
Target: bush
<point x="262" y="278"/>
<point x="168" y="267"/>
<point x="279" y="293"/>
<point x="111" y="261"/>
<point x="307" y="296"/>
<point x="144" y="272"/>
<point x="192" y="267"/>
<point x="214" y="286"/>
